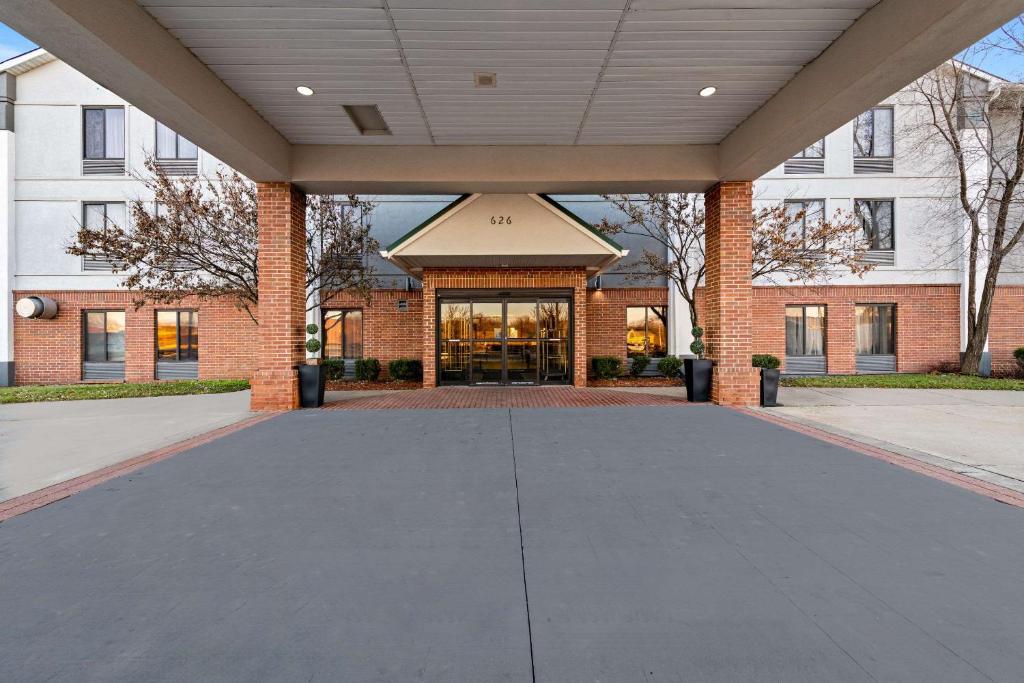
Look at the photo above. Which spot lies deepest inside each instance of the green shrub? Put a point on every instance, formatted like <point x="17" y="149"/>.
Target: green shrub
<point x="1019" y="355"/>
<point x="312" y="345"/>
<point x="670" y="366"/>
<point x="312" y="328"/>
<point x="334" y="369"/>
<point x="606" y="367"/>
<point x="766" y="360"/>
<point x="638" y="363"/>
<point x="367" y="369"/>
<point x="405" y="369"/>
<point x="697" y="345"/>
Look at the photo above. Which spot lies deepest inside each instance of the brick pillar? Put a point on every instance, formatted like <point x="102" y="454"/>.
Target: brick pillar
<point x="282" y="307"/>
<point x="429" y="331"/>
<point x="579" y="340"/>
<point x="728" y="293"/>
<point x="839" y="338"/>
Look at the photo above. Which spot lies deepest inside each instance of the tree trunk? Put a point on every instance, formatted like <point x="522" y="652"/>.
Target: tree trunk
<point x="978" y="328"/>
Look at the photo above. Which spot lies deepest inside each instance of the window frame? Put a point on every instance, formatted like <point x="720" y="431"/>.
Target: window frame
<point x="362" y="331"/>
<point x="803" y="342"/>
<point x="85" y="334"/>
<point x="801" y="154"/>
<point x="104" y="108"/>
<point x="874" y="135"/>
<point x="647" y="322"/>
<point x="177" y="145"/>
<point x="803" y="225"/>
<point x="895" y="326"/>
<point x="892" y="236"/>
<point x="194" y="312"/>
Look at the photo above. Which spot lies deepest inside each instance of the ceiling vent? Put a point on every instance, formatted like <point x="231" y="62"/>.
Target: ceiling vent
<point x="367" y="119"/>
<point x="485" y="79"/>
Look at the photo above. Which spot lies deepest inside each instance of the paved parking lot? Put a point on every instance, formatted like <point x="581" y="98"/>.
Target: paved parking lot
<point x="588" y="544"/>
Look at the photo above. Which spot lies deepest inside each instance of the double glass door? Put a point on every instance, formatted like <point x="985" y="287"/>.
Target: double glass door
<point x="515" y="340"/>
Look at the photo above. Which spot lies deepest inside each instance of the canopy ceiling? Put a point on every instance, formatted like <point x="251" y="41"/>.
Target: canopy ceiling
<point x="591" y="95"/>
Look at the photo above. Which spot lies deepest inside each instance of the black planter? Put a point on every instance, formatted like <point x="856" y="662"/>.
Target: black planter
<point x="312" y="380"/>
<point x="769" y="387"/>
<point x="698" y="379"/>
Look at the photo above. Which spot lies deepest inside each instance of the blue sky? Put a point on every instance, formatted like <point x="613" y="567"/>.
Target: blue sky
<point x="1000" y="62"/>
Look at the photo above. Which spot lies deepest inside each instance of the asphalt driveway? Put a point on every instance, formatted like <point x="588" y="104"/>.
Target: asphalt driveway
<point x="649" y="544"/>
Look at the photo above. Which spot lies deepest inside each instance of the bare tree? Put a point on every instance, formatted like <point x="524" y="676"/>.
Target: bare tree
<point x="981" y="126"/>
<point x="792" y="245"/>
<point x="200" y="236"/>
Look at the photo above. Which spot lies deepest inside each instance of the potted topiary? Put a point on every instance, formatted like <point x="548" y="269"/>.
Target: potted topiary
<point x="312" y="378"/>
<point x="698" y="371"/>
<point x="769" y="365"/>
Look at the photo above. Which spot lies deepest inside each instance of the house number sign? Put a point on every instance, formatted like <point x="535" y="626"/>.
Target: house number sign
<point x="501" y="220"/>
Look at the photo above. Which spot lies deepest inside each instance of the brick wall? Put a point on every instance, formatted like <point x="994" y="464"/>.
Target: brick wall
<point x="388" y="333"/>
<point x="606" y="317"/>
<point x="505" y="278"/>
<point x="1006" y="327"/>
<point x="50" y="351"/>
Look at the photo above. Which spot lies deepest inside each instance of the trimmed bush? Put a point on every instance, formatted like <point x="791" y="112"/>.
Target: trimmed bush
<point x="606" y="367"/>
<point x="1019" y="355"/>
<point x="697" y="347"/>
<point x="670" y="366"/>
<point x="334" y="369"/>
<point x="405" y="369"/>
<point x="367" y="369"/>
<point x="765" y="360"/>
<point x="638" y="363"/>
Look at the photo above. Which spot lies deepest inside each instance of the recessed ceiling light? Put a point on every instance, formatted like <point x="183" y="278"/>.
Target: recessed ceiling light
<point x="304" y="90"/>
<point x="708" y="91"/>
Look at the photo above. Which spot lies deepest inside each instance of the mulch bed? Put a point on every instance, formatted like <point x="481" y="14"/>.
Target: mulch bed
<point x="636" y="382"/>
<point x="352" y="385"/>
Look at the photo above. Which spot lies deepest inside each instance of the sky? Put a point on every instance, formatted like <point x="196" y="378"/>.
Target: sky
<point x="1002" y="63"/>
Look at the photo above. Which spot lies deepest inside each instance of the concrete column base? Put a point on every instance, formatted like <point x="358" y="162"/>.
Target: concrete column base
<point x="274" y="390"/>
<point x="7" y="373"/>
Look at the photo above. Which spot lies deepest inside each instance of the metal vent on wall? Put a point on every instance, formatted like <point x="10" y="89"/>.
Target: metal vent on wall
<point x="797" y="166"/>
<point x="403" y="305"/>
<point x="876" y="364"/>
<point x="805" y="365"/>
<point x="885" y="257"/>
<point x="872" y="165"/>
<point x="108" y="372"/>
<point x="102" y="166"/>
<point x="101" y="264"/>
<point x="175" y="167"/>
<point x="177" y="370"/>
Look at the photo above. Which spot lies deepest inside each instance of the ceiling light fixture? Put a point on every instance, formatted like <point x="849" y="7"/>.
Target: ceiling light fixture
<point x="485" y="79"/>
<point x="304" y="90"/>
<point x="708" y="91"/>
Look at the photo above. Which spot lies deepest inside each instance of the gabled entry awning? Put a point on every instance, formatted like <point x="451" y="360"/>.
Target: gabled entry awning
<point x="504" y="231"/>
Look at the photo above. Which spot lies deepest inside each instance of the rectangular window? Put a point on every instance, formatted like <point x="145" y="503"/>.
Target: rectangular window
<point x="170" y="145"/>
<point x="647" y="330"/>
<point x="102" y="216"/>
<point x="343" y="333"/>
<point x="815" y="151"/>
<point x="873" y="134"/>
<point x="104" y="336"/>
<point x="104" y="132"/>
<point x="876" y="329"/>
<point x="877" y="218"/>
<point x="804" y="214"/>
<point x="177" y="336"/>
<point x="805" y="330"/>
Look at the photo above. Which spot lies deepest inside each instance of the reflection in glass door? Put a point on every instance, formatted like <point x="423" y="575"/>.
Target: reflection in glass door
<point x="515" y="340"/>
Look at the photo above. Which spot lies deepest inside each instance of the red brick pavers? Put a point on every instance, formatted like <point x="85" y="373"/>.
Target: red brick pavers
<point x="503" y="397"/>
<point x="984" y="488"/>
<point x="51" y="494"/>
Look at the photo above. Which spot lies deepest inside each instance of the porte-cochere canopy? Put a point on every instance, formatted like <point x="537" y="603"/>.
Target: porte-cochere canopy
<point x="504" y="231"/>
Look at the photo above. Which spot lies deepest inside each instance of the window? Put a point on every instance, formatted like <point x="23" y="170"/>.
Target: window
<point x="876" y="217"/>
<point x="104" y="337"/>
<point x="177" y="336"/>
<point x="104" y="132"/>
<point x="873" y="133"/>
<point x="343" y="334"/>
<point x="102" y="216"/>
<point x="876" y="329"/>
<point x="646" y="330"/>
<point x="170" y="145"/>
<point x="805" y="330"/>
<point x="804" y="213"/>
<point x="815" y="151"/>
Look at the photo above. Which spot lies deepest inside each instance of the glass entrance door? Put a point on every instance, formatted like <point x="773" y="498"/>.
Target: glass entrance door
<point x="510" y="340"/>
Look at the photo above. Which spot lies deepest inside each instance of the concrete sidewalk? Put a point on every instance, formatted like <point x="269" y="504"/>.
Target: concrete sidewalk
<point x="47" y="443"/>
<point x="976" y="433"/>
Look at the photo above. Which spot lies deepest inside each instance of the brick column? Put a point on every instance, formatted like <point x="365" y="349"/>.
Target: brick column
<point x="579" y="340"/>
<point x="728" y="293"/>
<point x="282" y="308"/>
<point x="429" y="331"/>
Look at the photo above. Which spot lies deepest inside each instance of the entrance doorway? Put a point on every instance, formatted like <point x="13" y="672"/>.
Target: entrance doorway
<point x="511" y="338"/>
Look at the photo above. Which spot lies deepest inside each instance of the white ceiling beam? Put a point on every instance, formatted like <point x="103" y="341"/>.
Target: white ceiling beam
<point x="455" y="169"/>
<point x="121" y="47"/>
<point x="893" y="43"/>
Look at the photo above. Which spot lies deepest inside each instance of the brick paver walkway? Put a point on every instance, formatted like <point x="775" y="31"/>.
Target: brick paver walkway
<point x="503" y="397"/>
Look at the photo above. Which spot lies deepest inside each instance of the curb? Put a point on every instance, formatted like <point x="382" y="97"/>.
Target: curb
<point x="27" y="502"/>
